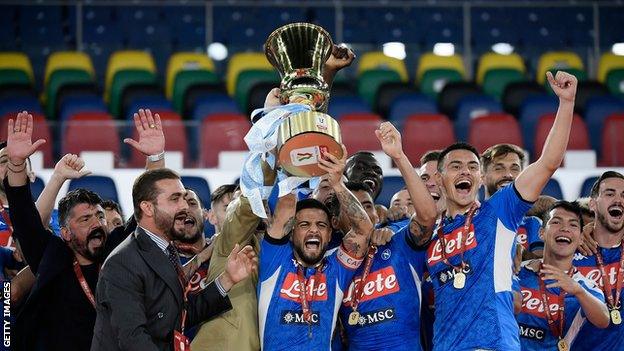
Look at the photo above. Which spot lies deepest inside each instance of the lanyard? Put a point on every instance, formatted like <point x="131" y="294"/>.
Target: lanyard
<point x="83" y="283"/>
<point x="613" y="302"/>
<point x="464" y="238"/>
<point x="358" y="291"/>
<point x="550" y="317"/>
<point x="303" y="287"/>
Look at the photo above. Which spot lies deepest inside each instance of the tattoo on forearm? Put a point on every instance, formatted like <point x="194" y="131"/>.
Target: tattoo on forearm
<point x="350" y="207"/>
<point x="350" y="242"/>
<point x="420" y="233"/>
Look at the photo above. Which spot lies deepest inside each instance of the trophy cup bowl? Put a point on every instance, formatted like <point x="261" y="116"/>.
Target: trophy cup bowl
<point x="299" y="52"/>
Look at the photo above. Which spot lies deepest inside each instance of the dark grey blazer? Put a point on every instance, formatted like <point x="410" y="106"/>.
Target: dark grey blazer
<point x="139" y="299"/>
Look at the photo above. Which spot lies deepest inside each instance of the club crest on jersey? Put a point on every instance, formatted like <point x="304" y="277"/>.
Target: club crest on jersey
<point x="375" y="317"/>
<point x="593" y="273"/>
<point x="448" y="274"/>
<point x="378" y="283"/>
<point x="531" y="332"/>
<point x="385" y="255"/>
<point x="296" y="318"/>
<point x="532" y="303"/>
<point x="291" y="288"/>
<point x="453" y="245"/>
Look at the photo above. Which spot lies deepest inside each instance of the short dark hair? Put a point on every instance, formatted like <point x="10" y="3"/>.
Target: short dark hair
<point x="221" y="191"/>
<point x="595" y="190"/>
<point x="312" y="203"/>
<point x="358" y="186"/>
<point x="352" y="158"/>
<point x="145" y="189"/>
<point x="572" y="206"/>
<point x="112" y="206"/>
<point x="501" y="150"/>
<point x="453" y="147"/>
<point x="74" y="198"/>
<point x="431" y="155"/>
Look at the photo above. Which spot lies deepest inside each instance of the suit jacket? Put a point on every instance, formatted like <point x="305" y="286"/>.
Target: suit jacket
<point x="140" y="299"/>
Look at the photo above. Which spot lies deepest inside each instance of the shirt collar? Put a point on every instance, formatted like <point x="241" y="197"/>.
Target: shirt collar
<point x="160" y="242"/>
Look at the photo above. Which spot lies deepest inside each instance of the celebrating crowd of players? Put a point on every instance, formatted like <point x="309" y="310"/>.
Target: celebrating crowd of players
<point x="438" y="270"/>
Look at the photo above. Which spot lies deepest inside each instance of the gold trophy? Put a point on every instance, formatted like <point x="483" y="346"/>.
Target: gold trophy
<point x="299" y="51"/>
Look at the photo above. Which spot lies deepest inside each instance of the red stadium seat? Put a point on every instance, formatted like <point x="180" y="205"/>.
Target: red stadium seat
<point x="40" y="131"/>
<point x="612" y="141"/>
<point x="424" y="132"/>
<point x="175" y="135"/>
<point x="223" y="132"/>
<point x="579" y="139"/>
<point x="492" y="129"/>
<point x="90" y="131"/>
<point x="358" y="131"/>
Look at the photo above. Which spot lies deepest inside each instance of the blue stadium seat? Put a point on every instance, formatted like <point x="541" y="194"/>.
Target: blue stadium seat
<point x="597" y="109"/>
<point x="33" y="16"/>
<point x="212" y="104"/>
<point x="391" y="184"/>
<point x="139" y="14"/>
<point x="19" y="103"/>
<point x="36" y="188"/>
<point x="76" y="104"/>
<point x="151" y="102"/>
<point x="532" y="108"/>
<point x="471" y="107"/>
<point x="42" y="34"/>
<point x="101" y="185"/>
<point x="553" y="189"/>
<point x="409" y="104"/>
<point x="587" y="186"/>
<point x="346" y="104"/>
<point x="98" y="14"/>
<point x="610" y="21"/>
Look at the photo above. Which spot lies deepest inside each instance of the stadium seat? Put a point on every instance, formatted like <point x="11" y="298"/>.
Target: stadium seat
<point x="119" y="61"/>
<point x="222" y="133"/>
<point x="493" y="61"/>
<point x="90" y="131"/>
<point x="612" y="142"/>
<point x="76" y="104"/>
<point x="175" y="134"/>
<point x="487" y="130"/>
<point x="434" y="72"/>
<point x="579" y="139"/>
<point x="611" y="73"/>
<point x="188" y="81"/>
<point x="452" y="93"/>
<point x="13" y="105"/>
<point x="101" y="185"/>
<point x="391" y="185"/>
<point x="553" y="189"/>
<point x="62" y="79"/>
<point x="122" y="82"/>
<point x="410" y="104"/>
<point x="359" y="131"/>
<point x="63" y="60"/>
<point x="16" y="61"/>
<point x="587" y="90"/>
<point x="515" y="93"/>
<point x="531" y="110"/>
<point x="257" y="95"/>
<point x="597" y="110"/>
<point x="497" y="79"/>
<point x="370" y="81"/>
<point x="154" y="103"/>
<point x="387" y="94"/>
<point x="213" y="104"/>
<point x="185" y="62"/>
<point x="247" y="79"/>
<point x="425" y="132"/>
<point x="471" y="107"/>
<point x="339" y="106"/>
<point x="559" y="61"/>
<point x="588" y="183"/>
<point x="200" y="186"/>
<point x="241" y="62"/>
<point x="41" y="130"/>
<point x="378" y="61"/>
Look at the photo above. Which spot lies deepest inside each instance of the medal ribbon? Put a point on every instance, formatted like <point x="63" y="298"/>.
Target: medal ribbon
<point x="83" y="283"/>
<point x="465" y="233"/>
<point x="557" y="331"/>
<point x="303" y="284"/>
<point x="612" y="302"/>
<point x="358" y="290"/>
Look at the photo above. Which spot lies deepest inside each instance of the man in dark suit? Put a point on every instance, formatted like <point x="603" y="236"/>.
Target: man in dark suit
<point x="140" y="294"/>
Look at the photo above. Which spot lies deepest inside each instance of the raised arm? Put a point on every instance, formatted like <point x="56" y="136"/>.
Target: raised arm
<point x="340" y="58"/>
<point x="533" y="179"/>
<point x="361" y="227"/>
<point x="422" y="221"/>
<point x="281" y="222"/>
<point x="151" y="138"/>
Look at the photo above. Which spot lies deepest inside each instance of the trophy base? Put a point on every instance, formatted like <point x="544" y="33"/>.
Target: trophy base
<point x="300" y="154"/>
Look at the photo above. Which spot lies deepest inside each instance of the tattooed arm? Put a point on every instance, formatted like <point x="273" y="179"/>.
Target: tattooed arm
<point x="356" y="240"/>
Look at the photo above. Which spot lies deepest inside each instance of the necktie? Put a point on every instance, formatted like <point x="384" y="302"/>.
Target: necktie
<point x="174" y="258"/>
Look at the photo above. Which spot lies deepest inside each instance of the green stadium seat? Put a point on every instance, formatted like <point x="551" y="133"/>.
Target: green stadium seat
<point x="60" y="78"/>
<point x="434" y="80"/>
<point x="615" y="82"/>
<point x="496" y="80"/>
<point x="185" y="80"/>
<point x="247" y="79"/>
<point x="122" y="80"/>
<point x="11" y="76"/>
<point x="370" y="81"/>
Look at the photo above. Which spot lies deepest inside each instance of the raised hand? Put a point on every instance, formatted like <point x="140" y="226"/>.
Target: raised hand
<point x="563" y="84"/>
<point x="390" y="140"/>
<point x="333" y="166"/>
<point x="396" y="213"/>
<point x="273" y="98"/>
<point x="588" y="246"/>
<point x="381" y="236"/>
<point x="340" y="58"/>
<point x="562" y="279"/>
<point x="70" y="167"/>
<point x="240" y="264"/>
<point x="151" y="136"/>
<point x="19" y="138"/>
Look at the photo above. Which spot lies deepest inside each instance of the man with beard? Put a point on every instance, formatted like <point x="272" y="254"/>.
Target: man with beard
<point x="557" y="298"/>
<point x="470" y="257"/>
<point x="502" y="163"/>
<point x="142" y="295"/>
<point x="605" y="266"/>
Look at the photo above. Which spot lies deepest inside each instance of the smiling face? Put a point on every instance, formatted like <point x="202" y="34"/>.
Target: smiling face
<point x="501" y="171"/>
<point x="608" y="205"/>
<point x="363" y="168"/>
<point x="460" y="178"/>
<point x="562" y="233"/>
<point x="311" y="234"/>
<point x="427" y="175"/>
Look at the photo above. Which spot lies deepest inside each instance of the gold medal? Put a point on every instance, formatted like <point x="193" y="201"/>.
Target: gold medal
<point x="616" y="317"/>
<point x="354" y="317"/>
<point x="562" y="345"/>
<point x="460" y="280"/>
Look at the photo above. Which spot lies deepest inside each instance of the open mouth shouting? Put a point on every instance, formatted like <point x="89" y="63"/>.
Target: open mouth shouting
<point x="371" y="184"/>
<point x="616" y="212"/>
<point x="312" y="243"/>
<point x="435" y="196"/>
<point x="96" y="238"/>
<point x="463" y="186"/>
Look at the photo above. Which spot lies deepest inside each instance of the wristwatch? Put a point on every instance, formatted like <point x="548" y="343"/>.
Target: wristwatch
<point x="157" y="157"/>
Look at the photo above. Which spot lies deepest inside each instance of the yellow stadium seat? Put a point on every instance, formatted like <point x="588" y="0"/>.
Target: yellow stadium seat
<point x="378" y="60"/>
<point x="127" y="59"/>
<point x="492" y="60"/>
<point x="557" y="60"/>
<point x="242" y="62"/>
<point x="68" y="60"/>
<point x="17" y="60"/>
<point x="608" y="62"/>
<point x="432" y="61"/>
<point x="185" y="61"/>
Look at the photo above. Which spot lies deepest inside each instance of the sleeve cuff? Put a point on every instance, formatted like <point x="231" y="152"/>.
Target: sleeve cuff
<point x="520" y="196"/>
<point x="273" y="241"/>
<point x="221" y="289"/>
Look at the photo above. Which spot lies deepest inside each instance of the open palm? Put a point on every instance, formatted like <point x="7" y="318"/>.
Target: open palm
<point x="151" y="135"/>
<point x="241" y="264"/>
<point x="19" y="138"/>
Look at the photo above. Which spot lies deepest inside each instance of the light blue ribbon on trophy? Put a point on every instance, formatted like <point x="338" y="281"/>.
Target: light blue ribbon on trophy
<point x="261" y="140"/>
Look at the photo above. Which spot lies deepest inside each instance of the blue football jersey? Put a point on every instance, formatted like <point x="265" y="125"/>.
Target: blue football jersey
<point x="528" y="234"/>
